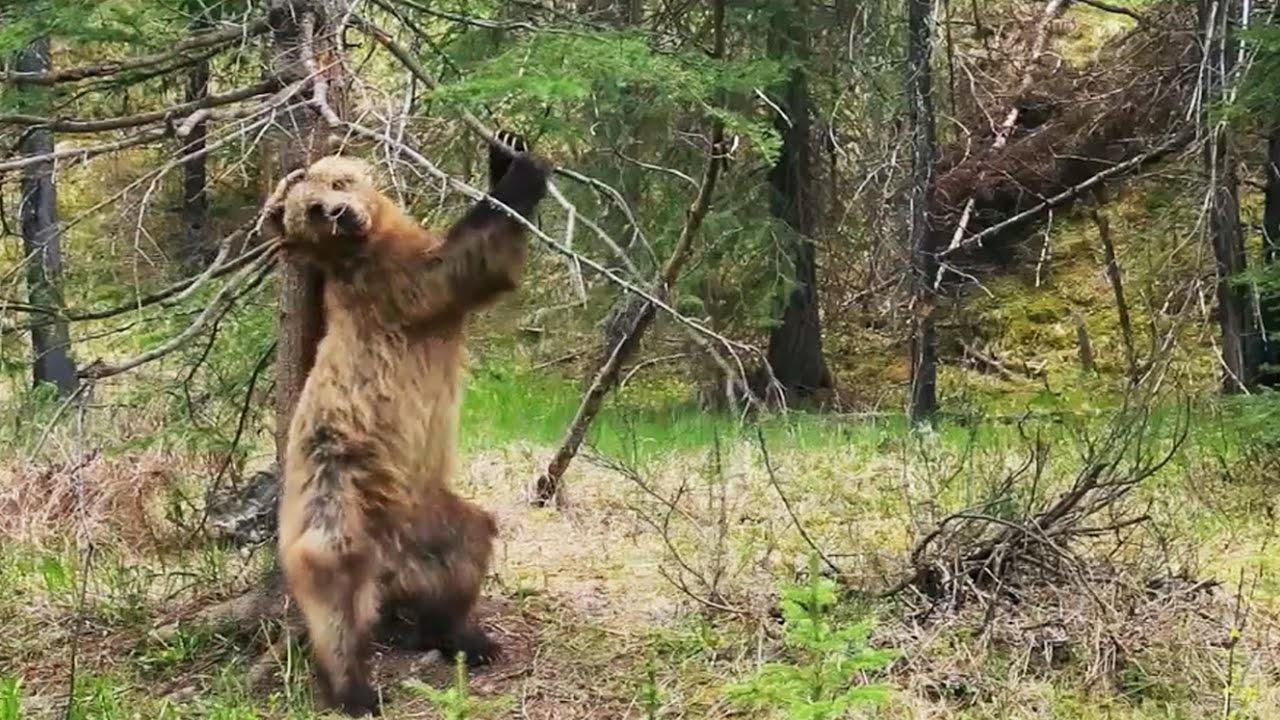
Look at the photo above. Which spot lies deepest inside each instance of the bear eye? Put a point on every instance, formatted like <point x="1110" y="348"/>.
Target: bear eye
<point x="340" y="185"/>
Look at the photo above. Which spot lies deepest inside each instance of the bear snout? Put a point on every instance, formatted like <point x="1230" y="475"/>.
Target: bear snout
<point x="336" y="214"/>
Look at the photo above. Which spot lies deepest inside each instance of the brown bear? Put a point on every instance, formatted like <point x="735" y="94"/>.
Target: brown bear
<point x="370" y="536"/>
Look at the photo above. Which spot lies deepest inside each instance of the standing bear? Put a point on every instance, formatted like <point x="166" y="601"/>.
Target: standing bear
<point x="370" y="534"/>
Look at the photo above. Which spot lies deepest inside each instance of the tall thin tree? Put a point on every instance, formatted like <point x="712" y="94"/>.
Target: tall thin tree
<point x="795" y="343"/>
<point x="919" y="81"/>
<point x="1236" y="318"/>
<point x="194" y="248"/>
<point x="1269" y="310"/>
<point x="41" y="244"/>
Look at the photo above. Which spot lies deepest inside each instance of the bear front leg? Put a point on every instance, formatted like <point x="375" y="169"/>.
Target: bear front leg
<point x="481" y="258"/>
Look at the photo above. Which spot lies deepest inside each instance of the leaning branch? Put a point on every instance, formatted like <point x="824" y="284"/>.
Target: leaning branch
<point x="640" y="313"/>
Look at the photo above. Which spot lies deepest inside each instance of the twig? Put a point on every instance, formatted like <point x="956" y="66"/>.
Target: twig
<point x="642" y="365"/>
<point x="84" y="153"/>
<point x="786" y="503"/>
<point x="1112" y="270"/>
<point x="1117" y="9"/>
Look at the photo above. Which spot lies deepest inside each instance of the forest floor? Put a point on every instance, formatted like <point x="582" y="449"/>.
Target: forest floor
<point x="656" y="586"/>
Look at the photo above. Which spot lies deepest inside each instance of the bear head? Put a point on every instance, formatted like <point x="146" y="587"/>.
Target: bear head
<point x="327" y="211"/>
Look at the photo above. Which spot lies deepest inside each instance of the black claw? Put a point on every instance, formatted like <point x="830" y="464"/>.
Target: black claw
<point x="500" y="159"/>
<point x="476" y="645"/>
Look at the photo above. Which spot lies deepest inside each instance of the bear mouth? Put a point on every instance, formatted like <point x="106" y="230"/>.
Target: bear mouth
<point x="336" y="220"/>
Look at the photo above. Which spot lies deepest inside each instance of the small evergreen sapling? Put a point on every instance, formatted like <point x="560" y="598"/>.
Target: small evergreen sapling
<point x="821" y="681"/>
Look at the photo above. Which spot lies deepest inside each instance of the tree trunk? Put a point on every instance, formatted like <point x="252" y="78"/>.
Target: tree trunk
<point x="305" y="139"/>
<point x="1235" y="311"/>
<point x="194" y="249"/>
<point x="924" y="358"/>
<point x="1269" y="312"/>
<point x="795" y="344"/>
<point x="38" y="208"/>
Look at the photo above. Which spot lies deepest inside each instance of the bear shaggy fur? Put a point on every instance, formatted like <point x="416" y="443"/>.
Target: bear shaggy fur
<point x="371" y="539"/>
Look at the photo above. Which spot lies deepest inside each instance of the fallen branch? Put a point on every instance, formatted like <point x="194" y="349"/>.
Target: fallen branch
<point x="1041" y="36"/>
<point x="1074" y="191"/>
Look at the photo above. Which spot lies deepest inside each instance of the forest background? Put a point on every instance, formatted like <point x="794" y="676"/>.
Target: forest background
<point x="874" y="359"/>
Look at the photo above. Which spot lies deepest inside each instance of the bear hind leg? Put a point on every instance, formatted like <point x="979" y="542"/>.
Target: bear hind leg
<point x="339" y="602"/>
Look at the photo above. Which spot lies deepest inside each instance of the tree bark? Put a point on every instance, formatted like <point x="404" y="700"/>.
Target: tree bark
<point x="1235" y="312"/>
<point x="1269" y="312"/>
<point x="194" y="249"/>
<point x="923" y="400"/>
<point x="795" y="344"/>
<point x="41" y="245"/>
<point x="305" y="139"/>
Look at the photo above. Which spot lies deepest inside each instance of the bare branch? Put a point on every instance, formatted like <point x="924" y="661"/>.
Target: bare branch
<point x="1117" y="9"/>
<point x="179" y="51"/>
<point x="140" y="119"/>
<point x="220" y="302"/>
<point x="81" y="154"/>
<point x="1074" y="191"/>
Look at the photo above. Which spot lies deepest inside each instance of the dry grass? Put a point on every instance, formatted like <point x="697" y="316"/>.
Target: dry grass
<point x="644" y="564"/>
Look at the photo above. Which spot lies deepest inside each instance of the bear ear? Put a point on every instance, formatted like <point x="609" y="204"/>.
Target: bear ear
<point x="273" y="220"/>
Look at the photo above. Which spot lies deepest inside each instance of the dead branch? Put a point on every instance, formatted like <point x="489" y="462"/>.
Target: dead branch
<point x="252" y="274"/>
<point x="1112" y="270"/>
<point x="75" y="126"/>
<point x="1051" y="10"/>
<point x="178" y="52"/>
<point x="1173" y="144"/>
